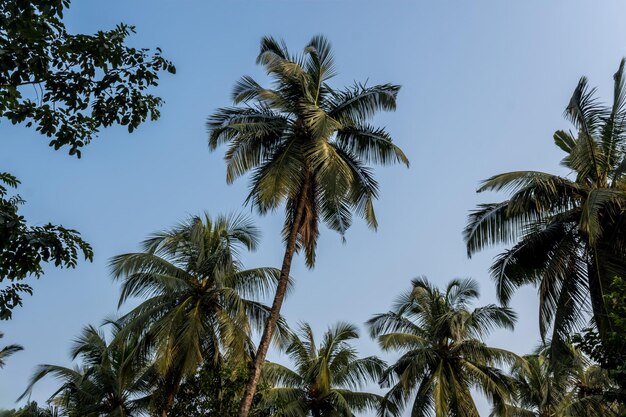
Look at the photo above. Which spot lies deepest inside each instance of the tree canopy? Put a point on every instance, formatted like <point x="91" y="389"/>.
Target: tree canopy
<point x="68" y="86"/>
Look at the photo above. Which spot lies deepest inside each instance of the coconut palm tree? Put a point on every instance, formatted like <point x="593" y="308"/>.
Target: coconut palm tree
<point x="7" y="351"/>
<point x="574" y="390"/>
<point x="111" y="380"/>
<point x="443" y="357"/>
<point x="325" y="378"/>
<point x="308" y="146"/>
<point x="568" y="235"/>
<point x="199" y="306"/>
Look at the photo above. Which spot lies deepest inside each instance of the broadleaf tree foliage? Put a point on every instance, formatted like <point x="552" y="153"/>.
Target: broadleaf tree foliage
<point x="69" y="86"/>
<point x="25" y="249"/>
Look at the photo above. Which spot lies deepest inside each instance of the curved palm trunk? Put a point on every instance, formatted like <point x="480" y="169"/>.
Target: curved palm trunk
<point x="270" y="324"/>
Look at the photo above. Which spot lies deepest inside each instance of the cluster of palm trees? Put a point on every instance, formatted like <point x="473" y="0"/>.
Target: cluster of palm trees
<point x="437" y="334"/>
<point x="308" y="147"/>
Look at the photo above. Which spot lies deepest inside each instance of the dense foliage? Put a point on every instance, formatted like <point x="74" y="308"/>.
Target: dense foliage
<point x="325" y="379"/>
<point x="111" y="380"/>
<point x="544" y="388"/>
<point x="69" y="86"/>
<point x="199" y="308"/>
<point x="215" y="392"/>
<point x="568" y="235"/>
<point x="443" y="356"/>
<point x="611" y="352"/>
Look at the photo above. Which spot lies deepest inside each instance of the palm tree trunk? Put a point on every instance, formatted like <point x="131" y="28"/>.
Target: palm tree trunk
<point x="596" y="292"/>
<point x="281" y="290"/>
<point x="168" y="404"/>
<point x="171" y="394"/>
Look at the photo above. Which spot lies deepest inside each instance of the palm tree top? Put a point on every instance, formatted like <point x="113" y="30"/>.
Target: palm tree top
<point x="303" y="140"/>
<point x="326" y="376"/>
<point x="198" y="249"/>
<point x="439" y="337"/>
<point x="567" y="234"/>
<point x="111" y="380"/>
<point x="200" y="305"/>
<point x="446" y="315"/>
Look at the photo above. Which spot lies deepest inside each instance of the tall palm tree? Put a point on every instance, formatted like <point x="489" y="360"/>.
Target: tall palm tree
<point x="308" y="146"/>
<point x="574" y="391"/>
<point x="7" y="351"/>
<point x="111" y="380"/>
<point x="568" y="235"/>
<point x="439" y="338"/>
<point x="198" y="304"/>
<point x="325" y="377"/>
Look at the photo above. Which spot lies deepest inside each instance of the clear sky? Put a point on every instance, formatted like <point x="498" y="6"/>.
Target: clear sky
<point x="484" y="85"/>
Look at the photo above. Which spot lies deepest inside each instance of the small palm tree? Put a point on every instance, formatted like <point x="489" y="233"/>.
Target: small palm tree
<point x="308" y="146"/>
<point x="325" y="378"/>
<point x="572" y="389"/>
<point x="442" y="353"/>
<point x="111" y="381"/>
<point x="568" y="235"/>
<point x="8" y="351"/>
<point x="198" y="306"/>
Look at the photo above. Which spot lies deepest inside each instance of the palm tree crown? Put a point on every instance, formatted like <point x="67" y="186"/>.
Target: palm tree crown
<point x="325" y="376"/>
<point x="111" y="381"/>
<point x="572" y="388"/>
<point x="568" y="235"/>
<point x="442" y="354"/>
<point x="305" y="142"/>
<point x="199" y="306"/>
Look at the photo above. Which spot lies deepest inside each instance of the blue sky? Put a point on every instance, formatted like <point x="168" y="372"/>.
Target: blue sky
<point x="484" y="85"/>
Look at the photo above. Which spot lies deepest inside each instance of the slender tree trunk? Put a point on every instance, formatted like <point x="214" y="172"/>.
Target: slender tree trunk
<point x="596" y="292"/>
<point x="270" y="324"/>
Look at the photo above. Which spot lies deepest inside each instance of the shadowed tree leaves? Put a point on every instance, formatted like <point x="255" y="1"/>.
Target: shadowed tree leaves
<point x="25" y="249"/>
<point x="67" y="87"/>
